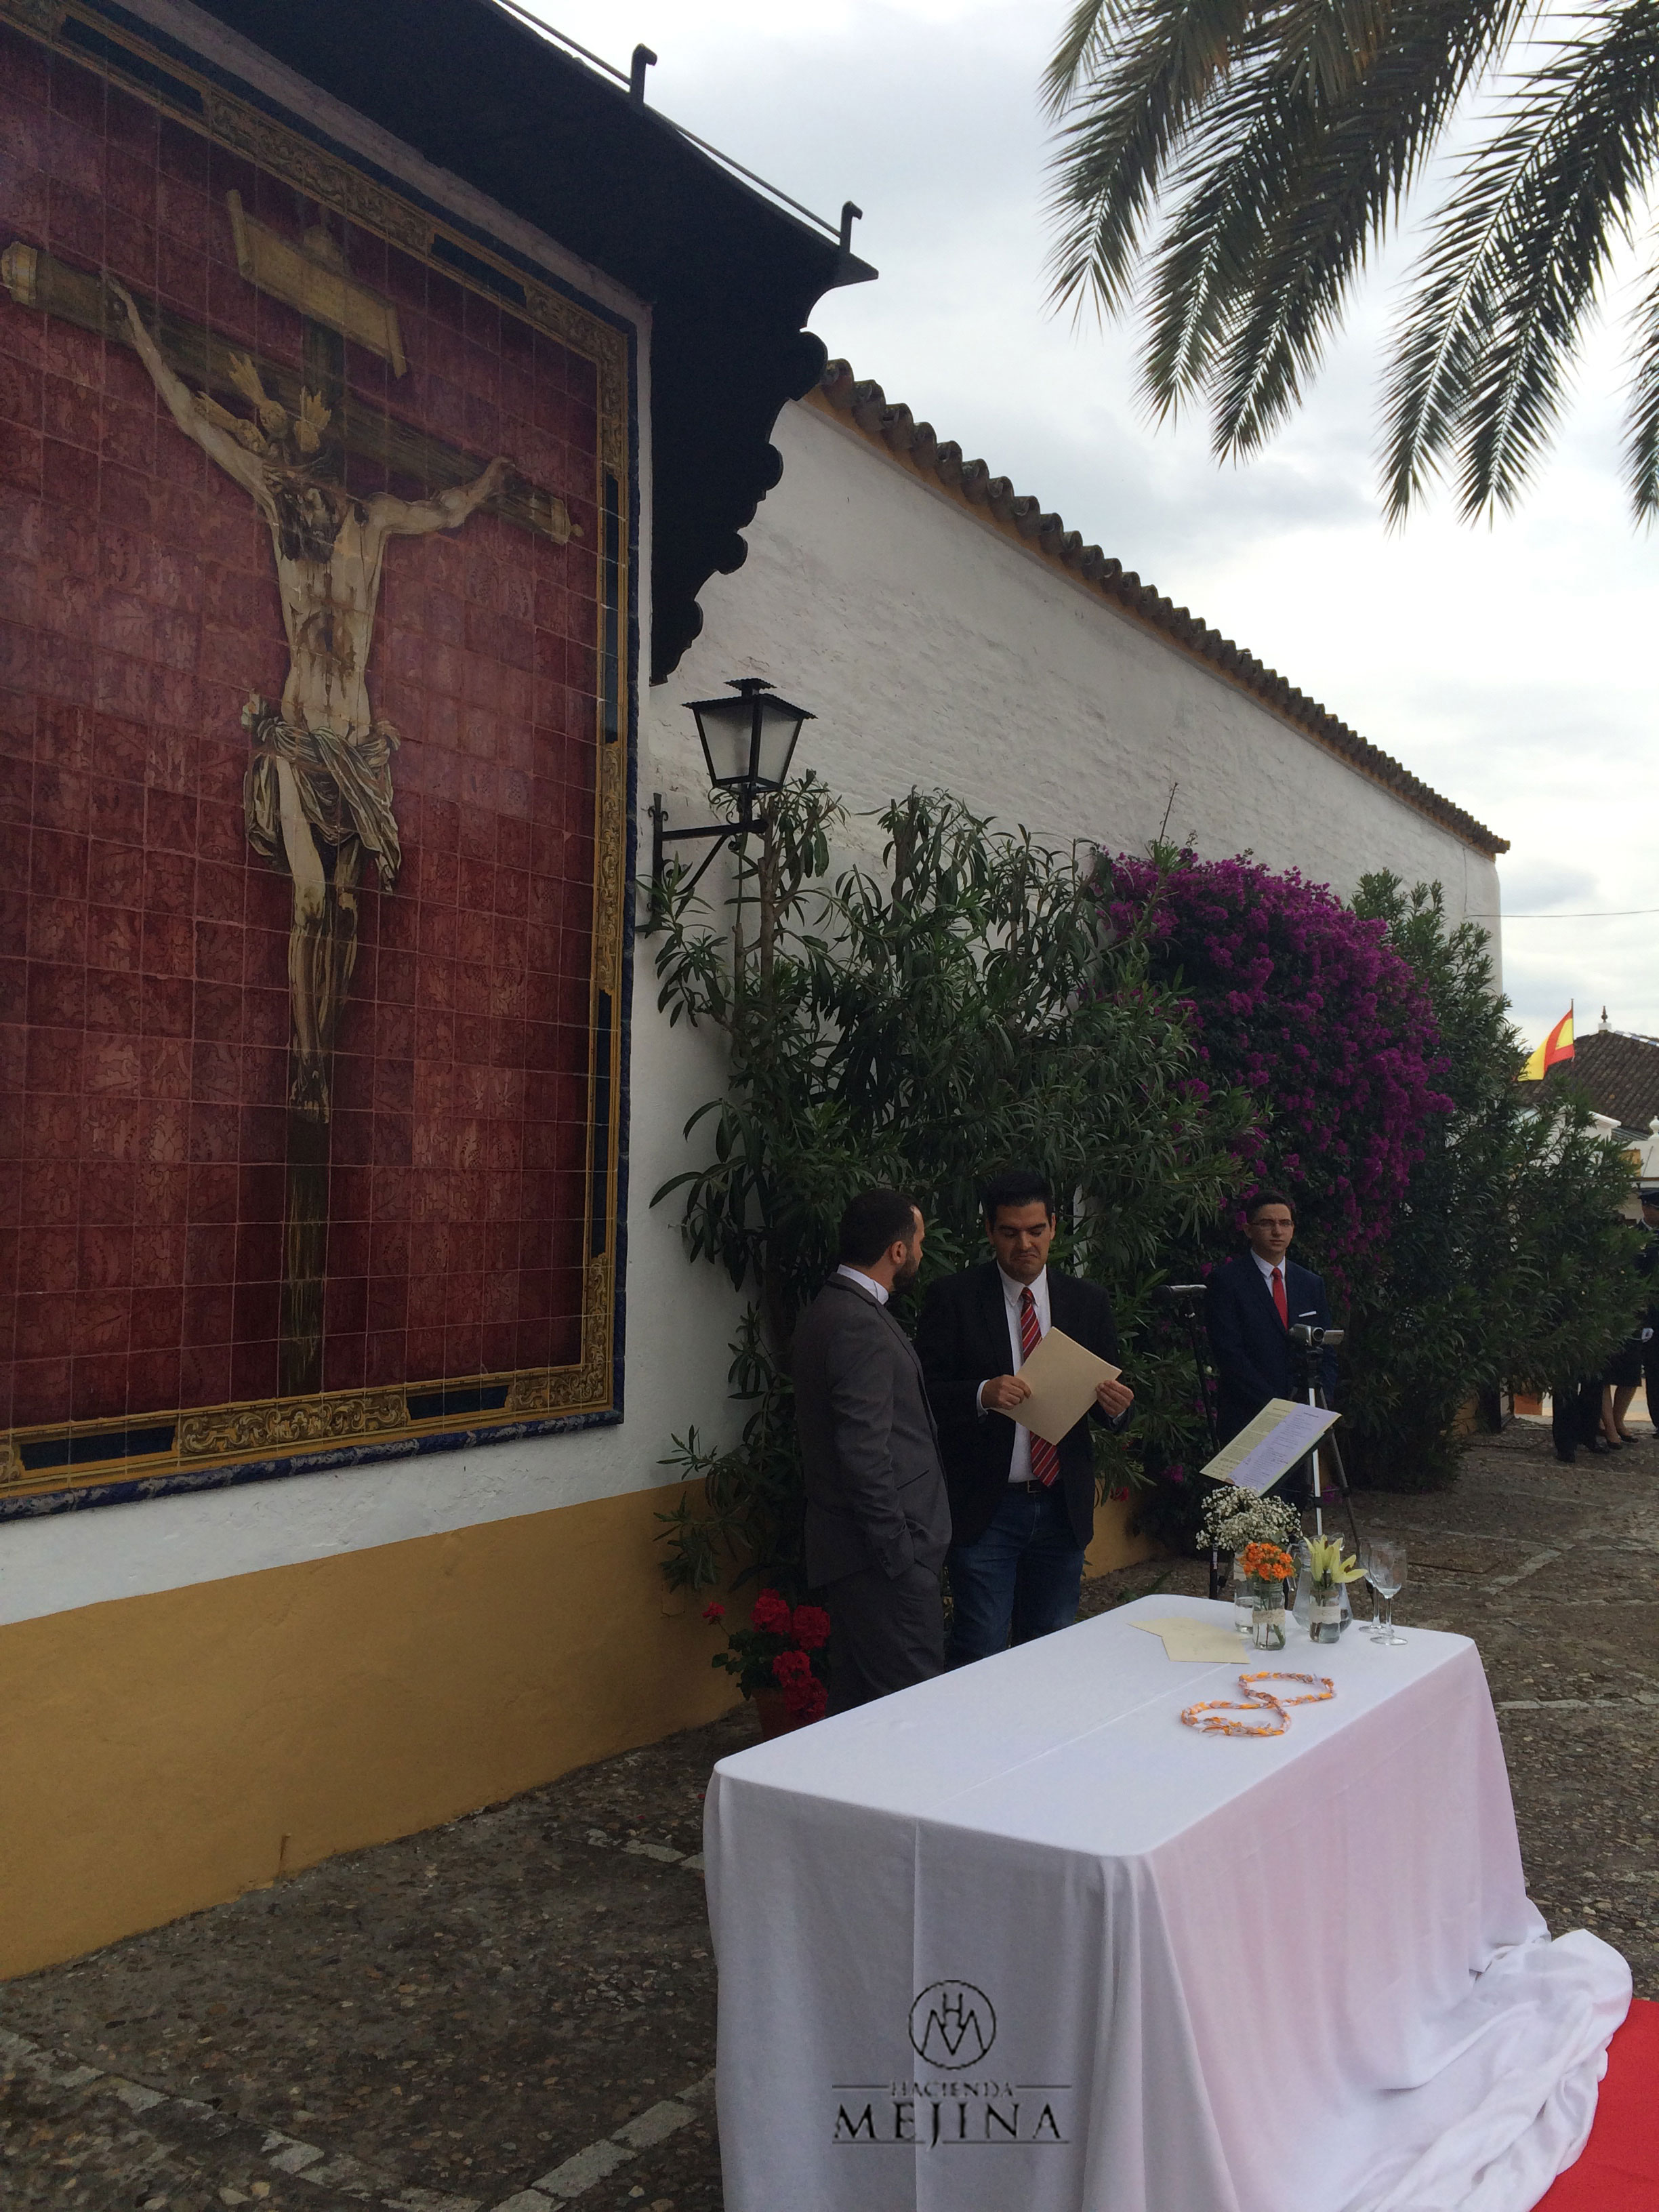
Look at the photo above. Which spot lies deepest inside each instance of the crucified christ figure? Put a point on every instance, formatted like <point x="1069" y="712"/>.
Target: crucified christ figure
<point x="318" y="793"/>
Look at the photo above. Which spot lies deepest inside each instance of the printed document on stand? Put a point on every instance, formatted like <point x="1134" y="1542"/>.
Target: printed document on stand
<point x="1282" y="1432"/>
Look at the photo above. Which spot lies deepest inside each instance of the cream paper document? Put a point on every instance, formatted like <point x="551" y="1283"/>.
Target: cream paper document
<point x="1284" y="1431"/>
<point x="1062" y="1374"/>
<point x="1184" y="1637"/>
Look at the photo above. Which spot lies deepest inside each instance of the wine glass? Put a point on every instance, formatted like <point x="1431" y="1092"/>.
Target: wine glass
<point x="1385" y="1570"/>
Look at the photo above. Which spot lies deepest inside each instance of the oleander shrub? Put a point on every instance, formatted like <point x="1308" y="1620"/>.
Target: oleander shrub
<point x="957" y="1007"/>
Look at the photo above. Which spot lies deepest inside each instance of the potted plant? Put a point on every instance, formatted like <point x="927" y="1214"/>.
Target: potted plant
<point x="778" y="1660"/>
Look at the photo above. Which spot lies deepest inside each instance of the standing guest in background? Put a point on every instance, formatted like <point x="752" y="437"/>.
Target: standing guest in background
<point x="1252" y="1305"/>
<point x="1021" y="1509"/>
<point x="1623" y="1373"/>
<point x="1576" y="1417"/>
<point x="877" y="1523"/>
<point x="1646" y="1265"/>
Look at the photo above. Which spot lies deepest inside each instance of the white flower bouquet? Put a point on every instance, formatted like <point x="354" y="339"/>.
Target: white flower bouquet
<point x="1235" y="1517"/>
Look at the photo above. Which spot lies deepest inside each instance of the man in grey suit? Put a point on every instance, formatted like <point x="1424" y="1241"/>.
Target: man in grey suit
<point x="878" y="1522"/>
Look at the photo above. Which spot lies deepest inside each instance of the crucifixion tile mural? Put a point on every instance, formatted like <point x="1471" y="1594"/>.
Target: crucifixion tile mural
<point x="316" y="669"/>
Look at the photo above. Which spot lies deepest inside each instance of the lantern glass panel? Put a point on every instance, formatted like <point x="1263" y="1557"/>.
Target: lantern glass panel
<point x="780" y="726"/>
<point x="726" y="728"/>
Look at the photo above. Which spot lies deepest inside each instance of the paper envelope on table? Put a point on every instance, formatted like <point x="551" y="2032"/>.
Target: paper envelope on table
<point x="1185" y="1638"/>
<point x="1062" y="1374"/>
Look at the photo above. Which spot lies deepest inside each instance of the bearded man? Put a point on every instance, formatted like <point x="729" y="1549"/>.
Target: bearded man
<point x="878" y="1522"/>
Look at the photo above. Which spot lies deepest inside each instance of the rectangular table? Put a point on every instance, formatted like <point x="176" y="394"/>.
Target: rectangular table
<point x="1017" y="1938"/>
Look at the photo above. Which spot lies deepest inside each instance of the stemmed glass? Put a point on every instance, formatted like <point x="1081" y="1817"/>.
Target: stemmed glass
<point x="1385" y="1570"/>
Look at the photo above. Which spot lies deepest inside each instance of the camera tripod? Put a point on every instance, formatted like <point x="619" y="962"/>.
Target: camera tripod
<point x="1310" y="1345"/>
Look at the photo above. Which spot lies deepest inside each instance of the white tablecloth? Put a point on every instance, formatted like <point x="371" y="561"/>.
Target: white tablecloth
<point x="1018" y="1939"/>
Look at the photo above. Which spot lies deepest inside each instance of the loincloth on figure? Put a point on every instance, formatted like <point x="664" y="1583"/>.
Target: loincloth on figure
<point x="345" y="787"/>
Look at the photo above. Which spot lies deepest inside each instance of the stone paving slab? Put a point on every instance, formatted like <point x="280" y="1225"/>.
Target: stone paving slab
<point x="516" y="2012"/>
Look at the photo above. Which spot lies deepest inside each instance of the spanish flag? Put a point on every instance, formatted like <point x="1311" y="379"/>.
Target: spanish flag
<point x="1557" y="1046"/>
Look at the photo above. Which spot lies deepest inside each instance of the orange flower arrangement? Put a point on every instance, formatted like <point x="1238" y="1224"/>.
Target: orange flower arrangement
<point x="1267" y="1562"/>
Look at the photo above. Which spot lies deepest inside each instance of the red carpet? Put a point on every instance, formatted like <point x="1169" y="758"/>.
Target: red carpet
<point x="1620" y="2169"/>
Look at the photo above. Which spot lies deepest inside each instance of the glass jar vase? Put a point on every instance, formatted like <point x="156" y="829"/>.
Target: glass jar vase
<point x="1328" y="1612"/>
<point x="1266" y="1614"/>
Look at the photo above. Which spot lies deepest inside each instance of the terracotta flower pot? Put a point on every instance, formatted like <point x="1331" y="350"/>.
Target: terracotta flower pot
<point x="775" y="1717"/>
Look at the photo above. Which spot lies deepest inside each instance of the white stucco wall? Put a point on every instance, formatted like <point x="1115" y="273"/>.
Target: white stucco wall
<point x="937" y="651"/>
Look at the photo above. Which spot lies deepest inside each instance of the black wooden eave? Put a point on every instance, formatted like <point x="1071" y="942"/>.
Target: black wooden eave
<point x="730" y="276"/>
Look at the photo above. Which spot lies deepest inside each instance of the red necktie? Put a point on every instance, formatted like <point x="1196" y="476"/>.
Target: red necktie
<point x="1045" y="1456"/>
<point x="1279" y="1299"/>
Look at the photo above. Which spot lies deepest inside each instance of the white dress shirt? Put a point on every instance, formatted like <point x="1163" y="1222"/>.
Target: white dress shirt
<point x="878" y="1291"/>
<point x="1019" y="1467"/>
<point x="1269" y="1269"/>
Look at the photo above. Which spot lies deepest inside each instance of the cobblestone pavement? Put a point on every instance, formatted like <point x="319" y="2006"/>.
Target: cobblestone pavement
<point x="528" y="1995"/>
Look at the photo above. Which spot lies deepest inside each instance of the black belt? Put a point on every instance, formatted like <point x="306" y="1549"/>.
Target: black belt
<point x="1033" y="1484"/>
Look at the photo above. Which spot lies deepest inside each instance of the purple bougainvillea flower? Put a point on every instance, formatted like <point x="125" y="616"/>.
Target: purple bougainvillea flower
<point x="1305" y="1004"/>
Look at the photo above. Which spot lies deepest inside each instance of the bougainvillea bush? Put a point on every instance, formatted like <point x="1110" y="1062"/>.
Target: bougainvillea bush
<point x="1467" y="1227"/>
<point x="1305" y="1004"/>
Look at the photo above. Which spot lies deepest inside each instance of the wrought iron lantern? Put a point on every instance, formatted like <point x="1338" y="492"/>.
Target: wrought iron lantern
<point x="748" y="743"/>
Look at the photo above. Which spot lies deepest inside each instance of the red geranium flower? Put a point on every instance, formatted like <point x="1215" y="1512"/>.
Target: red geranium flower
<point x="792" y="1667"/>
<point x="812" y="1627"/>
<point x="806" y="1701"/>
<point x="771" y="1614"/>
<point x="715" y="1612"/>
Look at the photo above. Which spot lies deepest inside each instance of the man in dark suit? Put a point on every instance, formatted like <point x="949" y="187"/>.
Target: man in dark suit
<point x="1252" y="1305"/>
<point x="1021" y="1509"/>
<point x="877" y="1523"/>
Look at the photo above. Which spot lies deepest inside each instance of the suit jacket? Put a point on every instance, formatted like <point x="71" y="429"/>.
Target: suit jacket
<point x="964" y="1338"/>
<point x="1251" y="1344"/>
<point x="875" y="1485"/>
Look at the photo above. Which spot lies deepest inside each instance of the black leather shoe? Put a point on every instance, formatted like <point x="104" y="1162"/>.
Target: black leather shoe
<point x="1566" y="1458"/>
<point x="1599" y="1445"/>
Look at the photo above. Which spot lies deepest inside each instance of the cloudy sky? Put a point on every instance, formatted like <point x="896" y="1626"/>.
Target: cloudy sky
<point x="1505" y="664"/>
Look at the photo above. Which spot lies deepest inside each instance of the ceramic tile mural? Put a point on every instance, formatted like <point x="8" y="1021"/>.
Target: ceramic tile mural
<point x="314" y="602"/>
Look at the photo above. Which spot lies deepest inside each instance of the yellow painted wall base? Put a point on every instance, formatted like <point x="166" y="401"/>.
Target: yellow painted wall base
<point x="159" y="1754"/>
<point x="1112" y="1546"/>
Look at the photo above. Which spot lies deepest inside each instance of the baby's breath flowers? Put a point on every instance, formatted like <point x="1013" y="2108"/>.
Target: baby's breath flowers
<point x="1235" y="1517"/>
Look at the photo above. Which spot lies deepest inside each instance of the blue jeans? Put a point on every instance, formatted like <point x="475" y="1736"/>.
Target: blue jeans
<point x="1020" y="1580"/>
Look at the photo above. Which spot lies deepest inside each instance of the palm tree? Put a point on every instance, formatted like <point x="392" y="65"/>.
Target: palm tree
<point x="1228" y="164"/>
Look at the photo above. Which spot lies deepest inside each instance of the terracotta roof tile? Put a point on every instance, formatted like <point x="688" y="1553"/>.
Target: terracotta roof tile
<point x="919" y="446"/>
<point x="1618" y="1073"/>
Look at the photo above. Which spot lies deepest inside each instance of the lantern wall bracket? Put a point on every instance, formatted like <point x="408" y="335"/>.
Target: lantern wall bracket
<point x="748" y="743"/>
<point x="722" y="833"/>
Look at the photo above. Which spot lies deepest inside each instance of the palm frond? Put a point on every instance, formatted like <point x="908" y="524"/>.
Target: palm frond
<point x="1088" y="33"/>
<point x="1282" y="164"/>
<point x="1516" y="263"/>
<point x="1642" y="431"/>
<point x="1164" y="60"/>
<point x="1341" y="187"/>
<point x="1215" y="241"/>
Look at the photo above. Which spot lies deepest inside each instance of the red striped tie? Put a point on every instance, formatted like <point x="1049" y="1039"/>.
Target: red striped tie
<point x="1045" y="1456"/>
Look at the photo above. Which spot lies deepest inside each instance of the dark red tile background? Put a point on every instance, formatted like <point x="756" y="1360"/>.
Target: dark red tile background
<point x="144" y="994"/>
